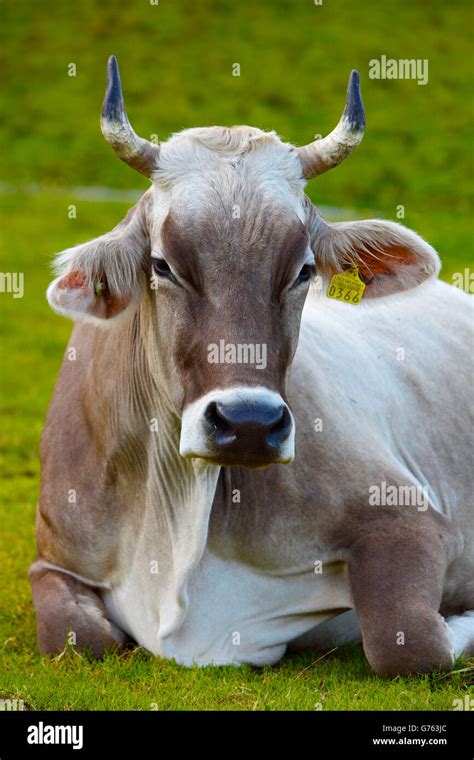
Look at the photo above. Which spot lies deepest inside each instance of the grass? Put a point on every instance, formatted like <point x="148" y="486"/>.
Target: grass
<point x="138" y="681"/>
<point x="176" y="63"/>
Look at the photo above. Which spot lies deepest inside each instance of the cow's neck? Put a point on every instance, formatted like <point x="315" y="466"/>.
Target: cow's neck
<point x="172" y="519"/>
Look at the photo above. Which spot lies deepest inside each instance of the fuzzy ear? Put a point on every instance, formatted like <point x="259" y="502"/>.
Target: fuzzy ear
<point x="390" y="258"/>
<point x="77" y="296"/>
<point x="99" y="280"/>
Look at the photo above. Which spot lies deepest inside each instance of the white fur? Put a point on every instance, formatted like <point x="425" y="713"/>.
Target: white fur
<point x="461" y="632"/>
<point x="41" y="565"/>
<point x="195" y="160"/>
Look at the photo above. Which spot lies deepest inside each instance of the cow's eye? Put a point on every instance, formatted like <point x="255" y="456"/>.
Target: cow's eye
<point x="305" y="274"/>
<point x="162" y="269"/>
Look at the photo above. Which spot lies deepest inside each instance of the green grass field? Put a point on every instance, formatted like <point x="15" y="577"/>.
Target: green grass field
<point x="176" y="61"/>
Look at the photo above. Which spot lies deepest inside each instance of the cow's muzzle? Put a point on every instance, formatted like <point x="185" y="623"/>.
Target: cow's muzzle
<point x="246" y="427"/>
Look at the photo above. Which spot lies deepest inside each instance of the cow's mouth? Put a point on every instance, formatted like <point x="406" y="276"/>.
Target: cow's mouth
<point x="248" y="463"/>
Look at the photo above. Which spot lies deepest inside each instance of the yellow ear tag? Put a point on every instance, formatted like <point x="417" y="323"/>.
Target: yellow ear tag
<point x="346" y="286"/>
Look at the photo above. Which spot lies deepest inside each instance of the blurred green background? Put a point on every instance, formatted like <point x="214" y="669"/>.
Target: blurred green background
<point x="176" y="63"/>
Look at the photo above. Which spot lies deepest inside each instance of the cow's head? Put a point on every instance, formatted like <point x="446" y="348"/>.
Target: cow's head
<point x="218" y="255"/>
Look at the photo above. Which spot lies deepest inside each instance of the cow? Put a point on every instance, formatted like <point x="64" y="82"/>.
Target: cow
<point x="216" y="509"/>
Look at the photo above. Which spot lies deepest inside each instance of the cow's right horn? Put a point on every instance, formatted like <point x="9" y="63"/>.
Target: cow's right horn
<point x="138" y="153"/>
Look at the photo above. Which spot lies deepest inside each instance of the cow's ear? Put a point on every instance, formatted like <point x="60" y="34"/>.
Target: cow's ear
<point x="101" y="280"/>
<point x="390" y="258"/>
<point x="81" y="297"/>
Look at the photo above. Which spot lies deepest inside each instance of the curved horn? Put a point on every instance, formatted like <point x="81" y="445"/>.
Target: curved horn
<point x="138" y="153"/>
<point x="321" y="155"/>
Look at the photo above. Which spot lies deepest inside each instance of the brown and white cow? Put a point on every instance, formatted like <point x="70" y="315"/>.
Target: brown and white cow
<point x="165" y="517"/>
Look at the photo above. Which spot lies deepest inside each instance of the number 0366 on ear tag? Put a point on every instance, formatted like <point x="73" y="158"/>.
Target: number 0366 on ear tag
<point x="346" y="286"/>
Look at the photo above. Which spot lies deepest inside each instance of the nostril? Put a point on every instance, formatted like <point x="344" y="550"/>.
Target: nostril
<point x="281" y="429"/>
<point x="279" y="418"/>
<point x="220" y="429"/>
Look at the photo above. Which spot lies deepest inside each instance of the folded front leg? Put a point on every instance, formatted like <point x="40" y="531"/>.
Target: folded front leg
<point x="68" y="610"/>
<point x="397" y="571"/>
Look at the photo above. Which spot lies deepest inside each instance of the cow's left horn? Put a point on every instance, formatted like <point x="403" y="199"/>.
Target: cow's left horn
<point x="138" y="153"/>
<point x="321" y="155"/>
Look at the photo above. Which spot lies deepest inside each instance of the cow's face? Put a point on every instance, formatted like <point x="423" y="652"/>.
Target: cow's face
<point x="231" y="266"/>
<point x="215" y="263"/>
